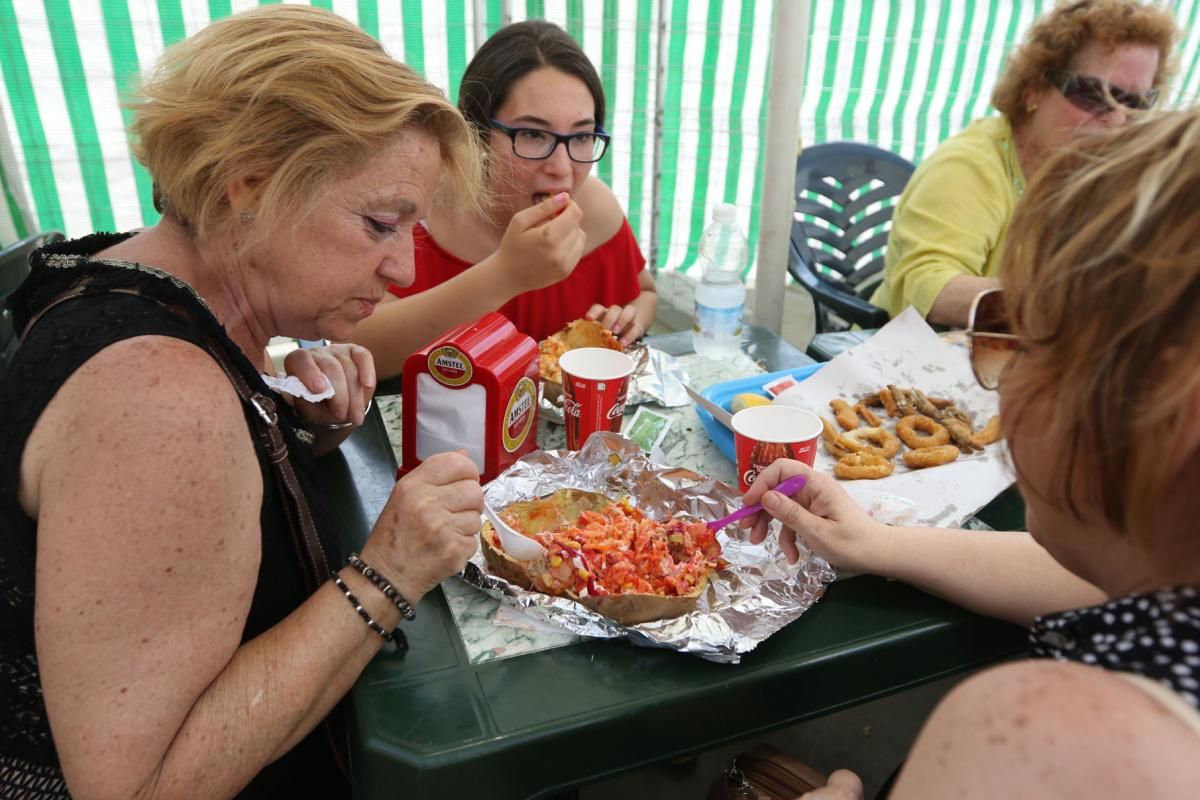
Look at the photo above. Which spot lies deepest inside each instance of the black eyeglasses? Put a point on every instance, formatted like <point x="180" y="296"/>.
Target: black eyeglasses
<point x="536" y="144"/>
<point x="1090" y="94"/>
<point x="993" y="345"/>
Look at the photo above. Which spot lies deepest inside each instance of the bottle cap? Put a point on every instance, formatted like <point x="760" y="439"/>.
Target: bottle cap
<point x="725" y="213"/>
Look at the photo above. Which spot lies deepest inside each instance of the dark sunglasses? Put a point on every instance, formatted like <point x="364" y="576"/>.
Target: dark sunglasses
<point x="993" y="345"/>
<point x="1090" y="94"/>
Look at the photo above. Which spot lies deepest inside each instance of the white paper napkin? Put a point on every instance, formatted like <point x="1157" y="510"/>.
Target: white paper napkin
<point x="908" y="353"/>
<point x="290" y="384"/>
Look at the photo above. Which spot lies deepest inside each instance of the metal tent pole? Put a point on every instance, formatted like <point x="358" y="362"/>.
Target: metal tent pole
<point x="479" y="18"/>
<point x="660" y="74"/>
<point x="789" y="43"/>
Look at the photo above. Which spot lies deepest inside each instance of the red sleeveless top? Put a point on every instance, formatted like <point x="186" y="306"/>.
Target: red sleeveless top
<point x="607" y="275"/>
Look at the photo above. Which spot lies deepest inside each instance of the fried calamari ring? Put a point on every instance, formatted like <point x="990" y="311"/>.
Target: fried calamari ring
<point x="863" y="466"/>
<point x="876" y="441"/>
<point x="844" y="413"/>
<point x="848" y="415"/>
<point x="987" y="434"/>
<point x="919" y="431"/>
<point x="830" y="435"/>
<point x="930" y="456"/>
<point x="867" y="417"/>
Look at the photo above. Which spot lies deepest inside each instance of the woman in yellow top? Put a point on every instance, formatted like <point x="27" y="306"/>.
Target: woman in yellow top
<point x="1083" y="67"/>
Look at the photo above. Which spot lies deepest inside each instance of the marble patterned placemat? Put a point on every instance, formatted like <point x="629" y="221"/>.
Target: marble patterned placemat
<point x="491" y="631"/>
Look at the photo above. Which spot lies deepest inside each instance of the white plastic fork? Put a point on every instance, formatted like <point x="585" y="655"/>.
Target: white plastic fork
<point x="515" y="543"/>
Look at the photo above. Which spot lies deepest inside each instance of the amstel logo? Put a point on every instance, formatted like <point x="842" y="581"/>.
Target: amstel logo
<point x="448" y="365"/>
<point x="519" y="416"/>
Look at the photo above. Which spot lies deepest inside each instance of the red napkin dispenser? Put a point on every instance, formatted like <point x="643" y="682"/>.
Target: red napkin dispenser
<point x="473" y="389"/>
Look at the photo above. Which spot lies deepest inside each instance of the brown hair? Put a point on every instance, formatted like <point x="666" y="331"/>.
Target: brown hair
<point x="512" y="53"/>
<point x="1102" y="274"/>
<point x="1055" y="38"/>
<point x="293" y="96"/>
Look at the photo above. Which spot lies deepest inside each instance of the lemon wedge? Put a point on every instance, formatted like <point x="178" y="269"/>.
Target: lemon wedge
<point x="748" y="400"/>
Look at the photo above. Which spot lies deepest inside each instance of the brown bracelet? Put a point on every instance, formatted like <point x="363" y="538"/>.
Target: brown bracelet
<point x="381" y="583"/>
<point x="362" y="612"/>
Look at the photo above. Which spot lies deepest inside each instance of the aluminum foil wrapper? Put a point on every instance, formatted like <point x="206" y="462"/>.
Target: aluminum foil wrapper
<point x="658" y="377"/>
<point x="745" y="603"/>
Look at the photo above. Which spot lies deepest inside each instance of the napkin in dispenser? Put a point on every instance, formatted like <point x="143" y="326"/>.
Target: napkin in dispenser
<point x="473" y="389"/>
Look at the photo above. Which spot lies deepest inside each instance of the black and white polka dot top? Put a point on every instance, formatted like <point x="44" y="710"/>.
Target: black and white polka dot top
<point x="1155" y="635"/>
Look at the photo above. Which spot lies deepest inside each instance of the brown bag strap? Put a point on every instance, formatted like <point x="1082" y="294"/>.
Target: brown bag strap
<point x="66" y="296"/>
<point x="300" y="519"/>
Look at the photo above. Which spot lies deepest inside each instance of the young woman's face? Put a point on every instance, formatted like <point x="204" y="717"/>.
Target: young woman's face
<point x="549" y="100"/>
<point x="1128" y="67"/>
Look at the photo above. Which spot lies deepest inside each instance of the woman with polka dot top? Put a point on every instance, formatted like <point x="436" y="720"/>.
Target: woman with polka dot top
<point x="1094" y="346"/>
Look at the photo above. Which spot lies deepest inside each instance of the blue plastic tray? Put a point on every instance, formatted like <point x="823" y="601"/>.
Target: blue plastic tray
<point x="723" y="393"/>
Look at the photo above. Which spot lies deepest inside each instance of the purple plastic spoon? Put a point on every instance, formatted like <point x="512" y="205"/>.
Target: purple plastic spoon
<point x="787" y="488"/>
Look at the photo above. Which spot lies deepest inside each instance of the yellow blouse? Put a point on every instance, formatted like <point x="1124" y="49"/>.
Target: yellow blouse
<point x="952" y="217"/>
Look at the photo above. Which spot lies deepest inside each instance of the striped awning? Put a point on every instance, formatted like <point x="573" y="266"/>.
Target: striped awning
<point x="686" y="81"/>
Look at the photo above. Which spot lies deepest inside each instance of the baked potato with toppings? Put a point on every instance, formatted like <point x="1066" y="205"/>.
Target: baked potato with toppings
<point x="608" y="556"/>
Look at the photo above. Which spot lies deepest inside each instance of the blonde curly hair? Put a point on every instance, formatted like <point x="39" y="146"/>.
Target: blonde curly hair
<point x="1055" y="38"/>
<point x="292" y="96"/>
<point x="1102" y="283"/>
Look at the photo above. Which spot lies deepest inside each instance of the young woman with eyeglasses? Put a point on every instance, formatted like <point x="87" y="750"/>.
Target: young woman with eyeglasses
<point x="537" y="103"/>
<point x="1083" y="67"/>
<point x="1094" y="346"/>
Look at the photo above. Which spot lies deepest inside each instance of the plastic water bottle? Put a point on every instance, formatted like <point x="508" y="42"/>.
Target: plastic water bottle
<point x="721" y="295"/>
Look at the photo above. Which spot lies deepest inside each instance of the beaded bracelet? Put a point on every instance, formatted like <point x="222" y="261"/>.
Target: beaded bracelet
<point x="362" y="612"/>
<point x="382" y="585"/>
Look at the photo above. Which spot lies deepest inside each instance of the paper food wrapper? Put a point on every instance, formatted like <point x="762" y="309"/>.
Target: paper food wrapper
<point x="754" y="597"/>
<point x="908" y="353"/>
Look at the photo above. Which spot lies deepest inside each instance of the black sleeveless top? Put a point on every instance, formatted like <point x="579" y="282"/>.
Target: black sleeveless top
<point x="1154" y="634"/>
<point x="58" y="344"/>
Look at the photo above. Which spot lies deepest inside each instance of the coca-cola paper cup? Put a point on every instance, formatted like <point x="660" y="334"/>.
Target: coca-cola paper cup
<point x="763" y="434"/>
<point x="595" y="384"/>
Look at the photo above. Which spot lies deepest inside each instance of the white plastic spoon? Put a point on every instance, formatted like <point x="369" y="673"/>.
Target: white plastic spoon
<point x="515" y="543"/>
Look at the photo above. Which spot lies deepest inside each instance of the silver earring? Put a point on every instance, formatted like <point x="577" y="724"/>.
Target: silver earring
<point x="247" y="217"/>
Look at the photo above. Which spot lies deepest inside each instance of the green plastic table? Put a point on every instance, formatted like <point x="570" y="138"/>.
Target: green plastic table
<point x="431" y="724"/>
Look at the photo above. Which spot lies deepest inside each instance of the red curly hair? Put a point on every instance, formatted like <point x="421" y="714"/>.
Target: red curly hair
<point x="1056" y="37"/>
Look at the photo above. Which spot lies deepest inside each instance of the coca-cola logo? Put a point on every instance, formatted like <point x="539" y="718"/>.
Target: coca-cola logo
<point x="572" y="407"/>
<point x="618" y="410"/>
<point x="749" y="476"/>
<point x="448" y="365"/>
<point x="518" y="417"/>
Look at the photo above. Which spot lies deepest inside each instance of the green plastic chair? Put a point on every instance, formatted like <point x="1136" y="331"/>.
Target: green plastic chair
<point x="845" y="194"/>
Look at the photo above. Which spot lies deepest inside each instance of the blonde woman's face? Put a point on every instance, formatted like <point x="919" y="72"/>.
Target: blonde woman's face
<point x="1057" y="121"/>
<point x="320" y="279"/>
<point x="549" y="100"/>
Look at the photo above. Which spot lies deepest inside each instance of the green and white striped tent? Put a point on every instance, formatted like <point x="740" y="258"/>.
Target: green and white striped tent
<point x="687" y="83"/>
